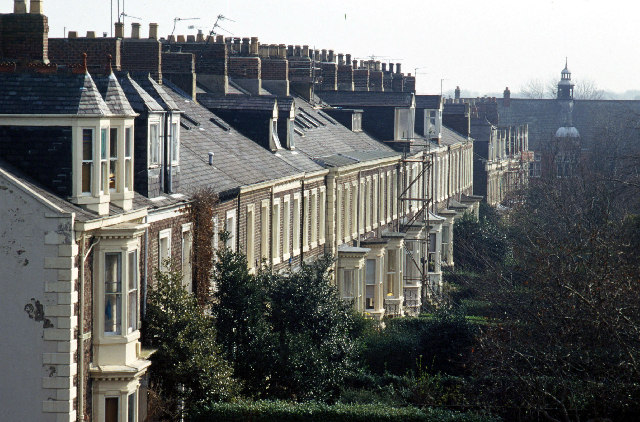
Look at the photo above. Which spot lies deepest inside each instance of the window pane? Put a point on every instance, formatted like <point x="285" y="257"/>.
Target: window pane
<point x="87" y="170"/>
<point x="113" y="143"/>
<point x="131" y="408"/>
<point x="103" y="144"/>
<point x="371" y="272"/>
<point x="113" y="165"/>
<point x="87" y="144"/>
<point x="113" y="292"/>
<point x="369" y="297"/>
<point x="174" y="142"/>
<point x="154" y="146"/>
<point x="111" y="409"/>
<point x="127" y="142"/>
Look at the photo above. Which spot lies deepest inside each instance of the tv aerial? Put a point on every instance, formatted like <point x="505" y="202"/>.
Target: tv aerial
<point x="217" y="25"/>
<point x="176" y="20"/>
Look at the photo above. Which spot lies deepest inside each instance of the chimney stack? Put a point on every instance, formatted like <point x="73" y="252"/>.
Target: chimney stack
<point x="340" y="59"/>
<point x="35" y="7"/>
<point x="91" y="34"/>
<point x="398" y="68"/>
<point x="20" y="7"/>
<point x="135" y="30"/>
<point x="331" y="58"/>
<point x="153" y="31"/>
<point x="348" y="56"/>
<point x="119" y="30"/>
<point x="245" y="46"/>
<point x="305" y="51"/>
<point x="384" y="67"/>
<point x="200" y="36"/>
<point x="457" y="93"/>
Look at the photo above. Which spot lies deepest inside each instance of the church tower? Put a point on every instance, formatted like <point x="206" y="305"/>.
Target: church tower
<point x="565" y="101"/>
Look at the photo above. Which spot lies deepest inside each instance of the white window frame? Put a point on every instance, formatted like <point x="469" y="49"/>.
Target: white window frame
<point x="264" y="229"/>
<point x="347" y="213"/>
<point x="286" y="227"/>
<point x="295" y="227"/>
<point x="275" y="232"/>
<point x="91" y="162"/>
<point x="174" y="140"/>
<point x="230" y="225"/>
<point x="314" y="218"/>
<point x="374" y="204"/>
<point x="367" y="204"/>
<point x="339" y="222"/>
<point x="322" y="214"/>
<point x="164" y="234"/>
<point x="251" y="236"/>
<point x="154" y="152"/>
<point x="305" y="225"/>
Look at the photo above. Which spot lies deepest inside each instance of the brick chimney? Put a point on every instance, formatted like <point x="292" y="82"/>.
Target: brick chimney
<point x="360" y="77"/>
<point x="345" y="74"/>
<point x="119" y="27"/>
<point x="507" y="97"/>
<point x="20" y="6"/>
<point x="457" y="93"/>
<point x="153" y="31"/>
<point x="135" y="30"/>
<point x="275" y="70"/>
<point x="35" y="7"/>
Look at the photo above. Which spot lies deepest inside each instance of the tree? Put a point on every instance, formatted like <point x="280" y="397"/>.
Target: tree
<point x="584" y="89"/>
<point x="566" y="338"/>
<point x="287" y="335"/>
<point x="188" y="368"/>
<point x="478" y="243"/>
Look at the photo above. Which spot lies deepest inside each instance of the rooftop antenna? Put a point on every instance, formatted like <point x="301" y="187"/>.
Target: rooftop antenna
<point x="217" y="25"/>
<point x="176" y="20"/>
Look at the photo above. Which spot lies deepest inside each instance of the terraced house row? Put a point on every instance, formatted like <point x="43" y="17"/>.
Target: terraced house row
<point x="104" y="143"/>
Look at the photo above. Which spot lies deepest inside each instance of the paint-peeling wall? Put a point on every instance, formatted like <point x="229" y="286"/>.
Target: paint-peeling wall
<point x="36" y="307"/>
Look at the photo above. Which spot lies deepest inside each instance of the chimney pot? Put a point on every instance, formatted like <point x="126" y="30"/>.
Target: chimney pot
<point x="153" y="31"/>
<point x="210" y="158"/>
<point x="20" y="7"/>
<point x="191" y="38"/>
<point x="220" y="39"/>
<point x="398" y="68"/>
<point x="331" y="57"/>
<point x="253" y="48"/>
<point x="384" y="67"/>
<point x="119" y="29"/>
<point x="72" y="34"/>
<point x="282" y="51"/>
<point x="377" y="65"/>
<point x="355" y="64"/>
<point x="35" y="7"/>
<point x="171" y="39"/>
<point x="245" y="46"/>
<point x="305" y="51"/>
<point x="324" y="55"/>
<point x="340" y="58"/>
<point x="348" y="56"/>
<point x="297" y="51"/>
<point x="180" y="38"/>
<point x="91" y="34"/>
<point x="273" y="51"/>
<point x="289" y="51"/>
<point x="200" y="36"/>
<point x="263" y="51"/>
<point x="135" y="30"/>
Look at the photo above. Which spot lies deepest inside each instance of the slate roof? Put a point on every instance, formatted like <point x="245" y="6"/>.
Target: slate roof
<point x="237" y="102"/>
<point x="113" y="95"/>
<point x="324" y="136"/>
<point x="157" y="92"/>
<point x="366" y="98"/>
<point x="450" y="108"/>
<point x="544" y="116"/>
<point x="354" y="157"/>
<point x="58" y="93"/>
<point x="238" y="161"/>
<point x="428" y="101"/>
<point x="451" y="137"/>
<point x="139" y="99"/>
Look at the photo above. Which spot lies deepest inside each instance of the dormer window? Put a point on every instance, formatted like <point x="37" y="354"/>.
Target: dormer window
<point x="356" y="122"/>
<point x="274" y="141"/>
<point x="174" y="143"/>
<point x="113" y="158"/>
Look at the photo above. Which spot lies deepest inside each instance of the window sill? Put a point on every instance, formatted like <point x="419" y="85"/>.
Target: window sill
<point x="296" y="252"/>
<point x="275" y="261"/>
<point x="118" y="338"/>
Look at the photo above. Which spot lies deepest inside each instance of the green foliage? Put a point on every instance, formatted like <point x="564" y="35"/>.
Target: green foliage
<point x="187" y="366"/>
<point x="267" y="411"/>
<point x="288" y="335"/>
<point x="441" y="342"/>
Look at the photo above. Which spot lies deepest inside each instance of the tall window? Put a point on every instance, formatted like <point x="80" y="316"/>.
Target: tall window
<point x="230" y="227"/>
<point x="251" y="226"/>
<point x="275" y="231"/>
<point x="296" y="224"/>
<point x="174" y="143"/>
<point x="370" y="284"/>
<point x="187" y="246"/>
<point x="128" y="158"/>
<point x="347" y="211"/>
<point x="154" y="144"/>
<point x="132" y="291"/>
<point x="264" y="229"/>
<point x="286" y="227"/>
<point x="305" y="222"/>
<point x="339" y="221"/>
<point x="389" y="193"/>
<point x="113" y="158"/>
<point x="394" y="204"/>
<point x="112" y="293"/>
<point x="348" y="284"/>
<point x="374" y="205"/>
<point x="354" y="209"/>
<point x="322" y="215"/>
<point x="366" y="208"/>
<point x="111" y="409"/>
<point x="314" y="217"/>
<point x="361" y="207"/>
<point x="392" y="269"/>
<point x="87" y="160"/>
<point x="132" y="407"/>
<point x="104" y="175"/>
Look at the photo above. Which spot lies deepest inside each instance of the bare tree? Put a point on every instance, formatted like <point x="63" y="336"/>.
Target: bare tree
<point x="585" y="89"/>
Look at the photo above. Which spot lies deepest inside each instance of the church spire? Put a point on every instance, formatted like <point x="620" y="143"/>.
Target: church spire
<point x="565" y="86"/>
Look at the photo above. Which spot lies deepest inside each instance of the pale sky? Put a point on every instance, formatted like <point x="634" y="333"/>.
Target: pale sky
<point x="482" y="46"/>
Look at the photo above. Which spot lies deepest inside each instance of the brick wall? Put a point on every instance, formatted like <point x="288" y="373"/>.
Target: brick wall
<point x="142" y="55"/>
<point x="345" y="74"/>
<point x="178" y="63"/>
<point x="67" y="51"/>
<point x="24" y="37"/>
<point x="175" y="224"/>
<point x="275" y="69"/>
<point x="244" y="67"/>
<point x="409" y="84"/>
<point x="398" y="82"/>
<point x="361" y="79"/>
<point x="387" y="80"/>
<point x="210" y="58"/>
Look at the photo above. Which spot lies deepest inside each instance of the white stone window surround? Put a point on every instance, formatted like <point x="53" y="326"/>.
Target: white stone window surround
<point x="305" y="221"/>
<point x="286" y="227"/>
<point x="251" y="236"/>
<point x="275" y="232"/>
<point x="367" y="204"/>
<point x="313" y="218"/>
<point x="322" y="214"/>
<point x="346" y="231"/>
<point x="265" y="217"/>
<point x="230" y="226"/>
<point x="354" y="209"/>
<point x="154" y="132"/>
<point x="174" y="138"/>
<point x="123" y="129"/>
<point x="164" y="248"/>
<point x="374" y="203"/>
<point x="186" y="256"/>
<point x="123" y="391"/>
<point x="295" y="227"/>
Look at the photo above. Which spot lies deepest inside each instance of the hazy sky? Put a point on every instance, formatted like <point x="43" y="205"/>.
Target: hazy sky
<point x="481" y="46"/>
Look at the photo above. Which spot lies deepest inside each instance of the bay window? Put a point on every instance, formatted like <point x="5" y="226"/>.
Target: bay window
<point x="104" y="179"/>
<point x="113" y="158"/>
<point x="87" y="160"/>
<point x="128" y="159"/>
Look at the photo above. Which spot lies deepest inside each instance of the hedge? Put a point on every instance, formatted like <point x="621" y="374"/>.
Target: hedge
<point x="268" y="411"/>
